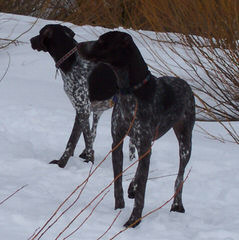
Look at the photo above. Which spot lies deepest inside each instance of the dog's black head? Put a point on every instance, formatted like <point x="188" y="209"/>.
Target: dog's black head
<point x="112" y="47"/>
<point x="119" y="50"/>
<point x="56" y="40"/>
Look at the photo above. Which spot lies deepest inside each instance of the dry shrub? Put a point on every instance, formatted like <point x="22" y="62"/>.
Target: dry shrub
<point x="206" y="50"/>
<point x="207" y="30"/>
<point x="217" y="18"/>
<point x="214" y="18"/>
<point x="49" y="9"/>
<point x="107" y="13"/>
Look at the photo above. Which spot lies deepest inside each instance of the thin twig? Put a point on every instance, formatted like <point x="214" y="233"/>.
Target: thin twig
<point x="4" y="200"/>
<point x="33" y="234"/>
<point x="113" y="181"/>
<point x="118" y="214"/>
<point x="155" y="210"/>
<point x="67" y="209"/>
<point x="152" y="178"/>
<point x="73" y="192"/>
<point x="5" y="73"/>
<point x="90" y="214"/>
<point x="20" y="35"/>
<point x="108" y="186"/>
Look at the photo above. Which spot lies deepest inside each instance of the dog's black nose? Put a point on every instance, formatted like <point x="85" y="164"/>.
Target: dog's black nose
<point x="36" y="44"/>
<point x="33" y="42"/>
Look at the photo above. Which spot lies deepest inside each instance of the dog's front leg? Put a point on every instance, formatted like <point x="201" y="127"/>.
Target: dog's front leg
<point x="88" y="152"/>
<point x="118" y="132"/>
<point x="71" y="144"/>
<point x="117" y="161"/>
<point x="96" y="117"/>
<point x="138" y="185"/>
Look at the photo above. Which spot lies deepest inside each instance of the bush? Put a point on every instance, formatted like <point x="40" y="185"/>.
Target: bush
<point x="207" y="31"/>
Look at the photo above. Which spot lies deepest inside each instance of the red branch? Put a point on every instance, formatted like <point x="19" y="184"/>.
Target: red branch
<point x="71" y="194"/>
<point x="92" y="211"/>
<point x="141" y="157"/>
<point x="69" y="206"/>
<point x="110" y="225"/>
<point x="155" y="210"/>
<point x="33" y="234"/>
<point x="4" y="200"/>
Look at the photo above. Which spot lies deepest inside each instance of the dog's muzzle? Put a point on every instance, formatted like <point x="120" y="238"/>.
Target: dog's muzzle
<point x="36" y="44"/>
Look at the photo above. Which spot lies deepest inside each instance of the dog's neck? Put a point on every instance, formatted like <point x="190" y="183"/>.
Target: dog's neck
<point x="57" y="54"/>
<point x="133" y="74"/>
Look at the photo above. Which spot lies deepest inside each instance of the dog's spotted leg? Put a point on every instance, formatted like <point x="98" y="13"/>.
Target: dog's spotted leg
<point x="183" y="131"/>
<point x="117" y="161"/>
<point x="184" y="153"/>
<point x="117" y="157"/>
<point x="96" y="117"/>
<point x="138" y="185"/>
<point x="89" y="152"/>
<point x="71" y="144"/>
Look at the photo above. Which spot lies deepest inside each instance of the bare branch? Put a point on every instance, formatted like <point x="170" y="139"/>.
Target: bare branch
<point x="5" y="73"/>
<point x="4" y="200"/>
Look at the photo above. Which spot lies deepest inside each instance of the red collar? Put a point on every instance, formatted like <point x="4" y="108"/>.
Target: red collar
<point x="67" y="55"/>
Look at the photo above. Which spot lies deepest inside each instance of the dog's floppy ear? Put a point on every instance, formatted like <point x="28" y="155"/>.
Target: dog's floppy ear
<point x="69" y="32"/>
<point x="127" y="39"/>
<point x="45" y="33"/>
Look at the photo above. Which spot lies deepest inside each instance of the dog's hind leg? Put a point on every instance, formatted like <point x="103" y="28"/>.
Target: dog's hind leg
<point x="183" y="131"/>
<point x="71" y="144"/>
<point x="96" y="117"/>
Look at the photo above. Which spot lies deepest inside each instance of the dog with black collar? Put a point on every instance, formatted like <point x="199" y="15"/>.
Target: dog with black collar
<point x="163" y="103"/>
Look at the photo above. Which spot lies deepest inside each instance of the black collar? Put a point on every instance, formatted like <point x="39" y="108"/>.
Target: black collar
<point x="130" y="90"/>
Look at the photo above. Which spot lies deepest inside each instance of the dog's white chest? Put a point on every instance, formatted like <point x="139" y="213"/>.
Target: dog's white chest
<point x="77" y="91"/>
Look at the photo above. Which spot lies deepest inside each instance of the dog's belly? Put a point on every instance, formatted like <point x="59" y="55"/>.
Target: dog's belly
<point x="101" y="105"/>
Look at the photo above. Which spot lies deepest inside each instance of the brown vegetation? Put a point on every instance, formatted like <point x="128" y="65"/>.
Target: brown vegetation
<point x="207" y="31"/>
<point x="218" y="18"/>
<point x="208" y="53"/>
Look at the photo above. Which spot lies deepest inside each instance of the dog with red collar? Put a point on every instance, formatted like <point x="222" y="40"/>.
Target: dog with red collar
<point x="79" y="75"/>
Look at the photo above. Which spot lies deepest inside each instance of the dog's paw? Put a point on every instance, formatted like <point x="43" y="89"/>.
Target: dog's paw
<point x="59" y="163"/>
<point x="177" y="208"/>
<point x="89" y="157"/>
<point x="132" y="222"/>
<point x="83" y="154"/>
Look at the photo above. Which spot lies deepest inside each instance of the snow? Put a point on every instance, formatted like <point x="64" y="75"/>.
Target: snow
<point x="35" y="123"/>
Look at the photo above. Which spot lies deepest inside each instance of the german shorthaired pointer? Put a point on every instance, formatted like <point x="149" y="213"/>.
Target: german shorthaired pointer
<point x="163" y="103"/>
<point x="79" y="76"/>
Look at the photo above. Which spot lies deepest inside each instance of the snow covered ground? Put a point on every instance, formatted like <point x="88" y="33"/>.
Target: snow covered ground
<point x="35" y="122"/>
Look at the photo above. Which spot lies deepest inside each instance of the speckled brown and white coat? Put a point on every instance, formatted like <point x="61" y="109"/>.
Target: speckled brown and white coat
<point x="78" y="74"/>
<point x="163" y="103"/>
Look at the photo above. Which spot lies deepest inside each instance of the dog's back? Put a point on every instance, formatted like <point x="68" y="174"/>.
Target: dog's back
<point x="175" y="96"/>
